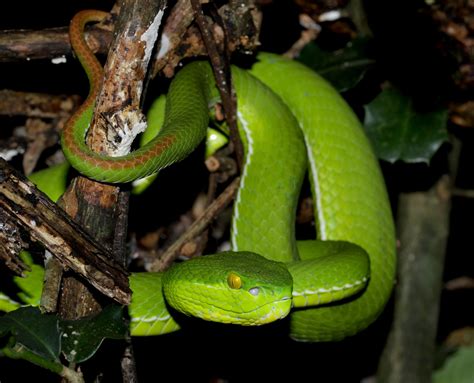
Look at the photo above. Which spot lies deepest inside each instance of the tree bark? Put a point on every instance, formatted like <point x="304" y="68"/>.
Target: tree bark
<point x="423" y="226"/>
<point x="102" y="209"/>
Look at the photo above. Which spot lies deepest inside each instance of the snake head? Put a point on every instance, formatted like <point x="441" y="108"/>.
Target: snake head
<point x="234" y="287"/>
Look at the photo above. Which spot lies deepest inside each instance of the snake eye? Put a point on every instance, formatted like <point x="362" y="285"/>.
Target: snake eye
<point x="234" y="281"/>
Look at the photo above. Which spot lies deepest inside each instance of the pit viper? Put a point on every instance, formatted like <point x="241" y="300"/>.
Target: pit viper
<point x="290" y="120"/>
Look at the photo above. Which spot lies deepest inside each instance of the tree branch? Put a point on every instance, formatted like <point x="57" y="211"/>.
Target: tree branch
<point x="197" y="226"/>
<point x="423" y="222"/>
<point x="25" y="205"/>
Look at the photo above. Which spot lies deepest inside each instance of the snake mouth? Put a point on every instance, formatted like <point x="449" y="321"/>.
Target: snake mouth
<point x="265" y="313"/>
<point x="276" y="301"/>
<point x="273" y="315"/>
<point x="281" y="308"/>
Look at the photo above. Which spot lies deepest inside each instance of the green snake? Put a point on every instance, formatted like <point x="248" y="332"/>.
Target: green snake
<point x="290" y="120"/>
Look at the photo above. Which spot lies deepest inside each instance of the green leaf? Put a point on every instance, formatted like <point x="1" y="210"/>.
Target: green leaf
<point x="32" y="283"/>
<point x="343" y="68"/>
<point x="31" y="286"/>
<point x="38" y="332"/>
<point x="52" y="181"/>
<point x="458" y="368"/>
<point x="81" y="338"/>
<point x="399" y="132"/>
<point x="18" y="351"/>
<point x="7" y="304"/>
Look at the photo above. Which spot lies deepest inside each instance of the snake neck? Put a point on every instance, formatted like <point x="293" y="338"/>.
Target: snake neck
<point x="86" y="57"/>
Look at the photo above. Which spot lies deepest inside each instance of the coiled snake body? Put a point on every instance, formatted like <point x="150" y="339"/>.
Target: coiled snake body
<point x="290" y="120"/>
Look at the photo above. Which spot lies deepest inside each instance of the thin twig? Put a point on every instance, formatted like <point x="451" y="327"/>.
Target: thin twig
<point x="197" y="227"/>
<point x="221" y="69"/>
<point x="310" y="33"/>
<point x="465" y="193"/>
<point x="459" y="283"/>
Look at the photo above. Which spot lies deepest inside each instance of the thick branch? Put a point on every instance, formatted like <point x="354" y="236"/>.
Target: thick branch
<point x="49" y="225"/>
<point x="180" y="39"/>
<point x="100" y="207"/>
<point x="423" y="221"/>
<point x="46" y="44"/>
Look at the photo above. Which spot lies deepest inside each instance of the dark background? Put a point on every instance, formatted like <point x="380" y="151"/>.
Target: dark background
<point x="406" y="47"/>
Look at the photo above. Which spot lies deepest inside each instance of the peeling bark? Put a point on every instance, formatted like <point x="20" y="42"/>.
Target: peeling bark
<point x="23" y="204"/>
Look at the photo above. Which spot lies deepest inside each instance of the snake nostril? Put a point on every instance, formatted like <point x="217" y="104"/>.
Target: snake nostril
<point x="254" y="291"/>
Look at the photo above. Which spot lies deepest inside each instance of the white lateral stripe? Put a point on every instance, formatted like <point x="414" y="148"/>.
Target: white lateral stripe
<point x="317" y="190"/>
<point x="151" y="319"/>
<point x="323" y="290"/>
<point x="248" y="159"/>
